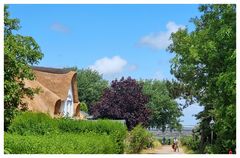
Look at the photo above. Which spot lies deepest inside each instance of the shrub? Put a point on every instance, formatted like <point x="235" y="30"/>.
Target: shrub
<point x="9" y="115"/>
<point x="83" y="107"/>
<point x="156" y="143"/>
<point x="97" y="126"/>
<point x="29" y="123"/>
<point x="190" y="143"/>
<point x="115" y="129"/>
<point x="209" y="149"/>
<point x="66" y="143"/>
<point x="139" y="138"/>
<point x="33" y="123"/>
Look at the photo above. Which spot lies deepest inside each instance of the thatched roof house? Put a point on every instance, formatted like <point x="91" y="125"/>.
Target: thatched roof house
<point x="58" y="92"/>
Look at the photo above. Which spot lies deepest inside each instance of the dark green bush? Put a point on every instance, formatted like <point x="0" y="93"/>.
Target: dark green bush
<point x="138" y="139"/>
<point x="65" y="143"/>
<point x="33" y="123"/>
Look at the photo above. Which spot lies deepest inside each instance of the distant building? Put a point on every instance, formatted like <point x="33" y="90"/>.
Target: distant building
<point x="58" y="94"/>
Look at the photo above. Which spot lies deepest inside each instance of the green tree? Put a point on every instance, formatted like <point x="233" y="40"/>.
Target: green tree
<point x="177" y="90"/>
<point x="205" y="62"/>
<point x="164" y="110"/>
<point x="20" y="52"/>
<point x="90" y="86"/>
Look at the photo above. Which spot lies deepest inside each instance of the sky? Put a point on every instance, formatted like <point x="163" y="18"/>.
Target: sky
<point x="115" y="40"/>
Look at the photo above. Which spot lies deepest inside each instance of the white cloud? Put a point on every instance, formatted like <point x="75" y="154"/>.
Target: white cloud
<point x="109" y="65"/>
<point x="160" y="40"/>
<point x="59" y="28"/>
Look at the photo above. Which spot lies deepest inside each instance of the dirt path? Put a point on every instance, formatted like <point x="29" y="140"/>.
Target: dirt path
<point x="165" y="149"/>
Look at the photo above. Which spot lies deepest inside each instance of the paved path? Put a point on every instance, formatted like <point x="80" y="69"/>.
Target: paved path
<point x="165" y="149"/>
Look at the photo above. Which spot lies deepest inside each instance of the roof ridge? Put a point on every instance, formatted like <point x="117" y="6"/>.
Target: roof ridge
<point x="51" y="70"/>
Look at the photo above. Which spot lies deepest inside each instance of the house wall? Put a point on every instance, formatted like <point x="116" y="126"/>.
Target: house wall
<point x="67" y="106"/>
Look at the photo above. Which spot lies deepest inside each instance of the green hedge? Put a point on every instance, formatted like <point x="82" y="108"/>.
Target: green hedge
<point x="33" y="123"/>
<point x="97" y="126"/>
<point x="67" y="143"/>
<point x="29" y="123"/>
<point x="113" y="128"/>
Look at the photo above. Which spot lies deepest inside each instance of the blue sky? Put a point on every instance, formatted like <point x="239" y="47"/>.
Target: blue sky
<point x="116" y="40"/>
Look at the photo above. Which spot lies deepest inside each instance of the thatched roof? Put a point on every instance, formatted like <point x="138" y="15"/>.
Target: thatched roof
<point x="54" y="85"/>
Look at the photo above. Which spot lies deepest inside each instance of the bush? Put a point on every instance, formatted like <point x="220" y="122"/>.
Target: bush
<point x="113" y="128"/>
<point x="156" y="143"/>
<point x="29" y="123"/>
<point x="33" y="123"/>
<point x="9" y="115"/>
<point x="190" y="143"/>
<point x="209" y="149"/>
<point x="66" y="143"/>
<point x="97" y="126"/>
<point x="139" y="138"/>
<point x="83" y="107"/>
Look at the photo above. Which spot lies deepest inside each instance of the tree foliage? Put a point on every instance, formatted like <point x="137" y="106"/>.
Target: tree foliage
<point x="164" y="109"/>
<point x="205" y="62"/>
<point x="90" y="86"/>
<point x="178" y="90"/>
<point x="20" y="52"/>
<point x="124" y="100"/>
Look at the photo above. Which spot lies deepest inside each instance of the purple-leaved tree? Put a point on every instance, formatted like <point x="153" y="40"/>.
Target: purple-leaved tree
<point x="124" y="100"/>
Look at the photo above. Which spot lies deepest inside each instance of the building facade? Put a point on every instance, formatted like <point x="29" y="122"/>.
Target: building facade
<point x="58" y="94"/>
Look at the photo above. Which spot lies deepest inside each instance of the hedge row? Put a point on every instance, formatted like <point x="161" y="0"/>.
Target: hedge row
<point x="67" y="143"/>
<point x="36" y="124"/>
<point x="28" y="123"/>
<point x="40" y="124"/>
<point x="115" y="129"/>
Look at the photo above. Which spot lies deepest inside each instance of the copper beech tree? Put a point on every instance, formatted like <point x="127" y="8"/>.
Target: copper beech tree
<point x="125" y="100"/>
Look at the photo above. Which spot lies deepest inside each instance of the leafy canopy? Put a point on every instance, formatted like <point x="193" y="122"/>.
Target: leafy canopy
<point x="20" y="52"/>
<point x="124" y="100"/>
<point x="90" y="86"/>
<point x="205" y="62"/>
<point x="164" y="109"/>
